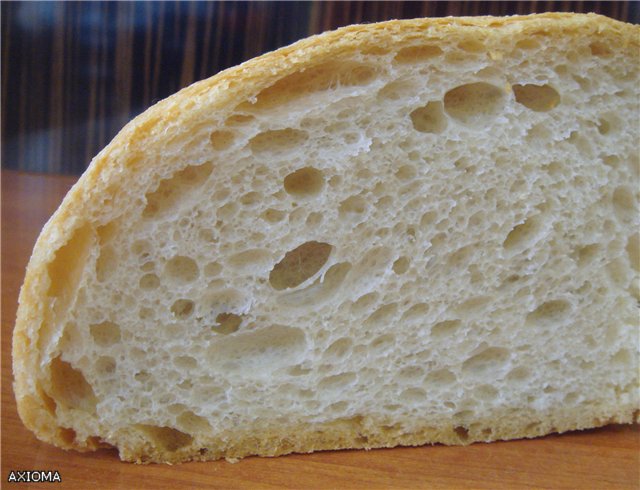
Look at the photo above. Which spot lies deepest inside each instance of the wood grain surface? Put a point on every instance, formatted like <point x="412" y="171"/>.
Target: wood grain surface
<point x="73" y="73"/>
<point x="606" y="458"/>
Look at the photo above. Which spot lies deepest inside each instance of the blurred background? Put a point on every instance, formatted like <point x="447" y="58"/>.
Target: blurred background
<point x="73" y="73"/>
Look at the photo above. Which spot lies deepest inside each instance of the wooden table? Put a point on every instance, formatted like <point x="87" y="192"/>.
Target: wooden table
<point x="594" y="459"/>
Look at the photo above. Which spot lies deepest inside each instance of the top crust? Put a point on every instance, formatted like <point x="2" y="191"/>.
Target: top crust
<point x="94" y="200"/>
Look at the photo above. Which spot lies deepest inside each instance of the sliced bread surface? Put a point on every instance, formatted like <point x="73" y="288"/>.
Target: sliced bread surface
<point x="411" y="232"/>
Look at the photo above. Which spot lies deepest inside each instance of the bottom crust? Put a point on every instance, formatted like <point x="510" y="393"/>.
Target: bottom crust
<point x="362" y="432"/>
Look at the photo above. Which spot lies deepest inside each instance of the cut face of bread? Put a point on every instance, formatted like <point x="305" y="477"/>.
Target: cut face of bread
<point x="402" y="233"/>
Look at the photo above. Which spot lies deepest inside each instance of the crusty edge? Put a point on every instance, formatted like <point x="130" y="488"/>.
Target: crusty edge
<point x="118" y="160"/>
<point x="369" y="433"/>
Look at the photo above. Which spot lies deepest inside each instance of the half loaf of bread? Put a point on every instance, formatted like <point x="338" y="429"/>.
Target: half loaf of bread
<point x="420" y="231"/>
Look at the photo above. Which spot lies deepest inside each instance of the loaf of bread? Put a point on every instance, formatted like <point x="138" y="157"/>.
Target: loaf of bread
<point x="411" y="232"/>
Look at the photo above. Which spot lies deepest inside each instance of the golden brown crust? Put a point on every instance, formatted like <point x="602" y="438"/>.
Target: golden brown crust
<point x="370" y="433"/>
<point x="119" y="161"/>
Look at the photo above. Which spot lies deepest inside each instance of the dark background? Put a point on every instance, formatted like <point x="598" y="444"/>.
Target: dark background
<point x="73" y="73"/>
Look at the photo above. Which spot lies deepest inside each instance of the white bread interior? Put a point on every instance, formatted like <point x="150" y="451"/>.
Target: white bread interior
<point x="392" y="234"/>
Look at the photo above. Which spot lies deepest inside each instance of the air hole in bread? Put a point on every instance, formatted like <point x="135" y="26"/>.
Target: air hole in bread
<point x="524" y="235"/>
<point x="533" y="428"/>
<point x="222" y="140"/>
<point x="600" y="49"/>
<point x="65" y="273"/>
<point x="105" y="366"/>
<point x="298" y="370"/>
<point x="352" y="208"/>
<point x="298" y="216"/>
<point x="623" y="358"/>
<point x="618" y="271"/>
<point x="148" y="266"/>
<point x="462" y="433"/>
<point x="181" y="269"/>
<point x="363" y="303"/>
<point x="176" y="408"/>
<point x="430" y="118"/>
<point x="374" y="261"/>
<point x="337" y="408"/>
<point x="299" y="265"/>
<point x="142" y="249"/>
<point x="590" y="342"/>
<point x="49" y="403"/>
<point x="251" y="199"/>
<point x="382" y="316"/>
<point x="171" y="191"/>
<point x="461" y="257"/>
<point x="212" y="269"/>
<point x="218" y="299"/>
<point x="227" y="323"/>
<point x="337" y="128"/>
<point x="272" y="215"/>
<point x="149" y="282"/>
<point x="415" y="312"/>
<point x="339" y="349"/>
<point x="186" y="362"/>
<point x="519" y="374"/>
<point x="337" y="383"/>
<point x="259" y="351"/>
<point x="446" y="328"/>
<point x="166" y="438"/>
<point x="106" y="263"/>
<point x="250" y="259"/>
<point x="587" y="254"/>
<point x="105" y="334"/>
<point x="383" y="343"/>
<point x="415" y="54"/>
<point x="187" y="385"/>
<point x="67" y="435"/>
<point x="607" y="124"/>
<point x="412" y="396"/>
<point x="277" y="140"/>
<point x="471" y="46"/>
<point x="473" y="305"/>
<point x="314" y="219"/>
<point x="473" y="103"/>
<point x="485" y="393"/>
<point x="428" y="219"/>
<point x="538" y="133"/>
<point x="571" y="398"/>
<point x="227" y="211"/>
<point x="182" y="308"/>
<point x="441" y="378"/>
<point x="70" y="388"/>
<point x="550" y="313"/>
<point x="374" y="50"/>
<point x="323" y="288"/>
<point x="192" y="423"/>
<point x="319" y="78"/>
<point x="406" y="172"/>
<point x="464" y="417"/>
<point x="411" y="374"/>
<point x="527" y="44"/>
<point x="538" y="98"/>
<point x="304" y="182"/>
<point x="396" y="90"/>
<point x="624" y="203"/>
<point x="487" y="363"/>
<point x="384" y="203"/>
<point x="401" y="265"/>
<point x="239" y="119"/>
